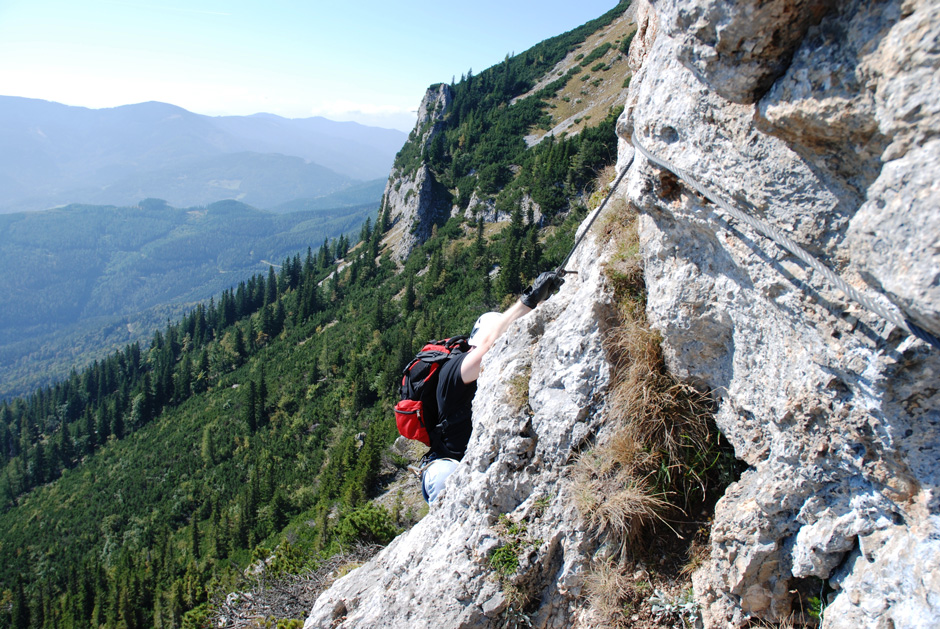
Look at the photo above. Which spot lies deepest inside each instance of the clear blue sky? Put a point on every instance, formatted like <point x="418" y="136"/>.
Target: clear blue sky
<point x="364" y="60"/>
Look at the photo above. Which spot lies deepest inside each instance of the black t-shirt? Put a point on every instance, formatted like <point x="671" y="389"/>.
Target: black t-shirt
<point x="454" y="403"/>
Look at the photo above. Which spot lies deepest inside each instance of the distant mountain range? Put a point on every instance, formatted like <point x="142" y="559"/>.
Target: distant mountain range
<point x="55" y="154"/>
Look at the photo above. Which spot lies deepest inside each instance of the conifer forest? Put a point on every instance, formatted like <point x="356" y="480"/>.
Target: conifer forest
<point x="135" y="490"/>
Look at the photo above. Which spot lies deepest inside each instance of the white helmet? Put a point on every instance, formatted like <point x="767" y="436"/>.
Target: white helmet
<point x="482" y="327"/>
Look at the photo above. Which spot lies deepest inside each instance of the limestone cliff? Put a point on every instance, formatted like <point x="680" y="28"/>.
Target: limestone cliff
<point x="414" y="200"/>
<point x="822" y="120"/>
<point x="828" y="131"/>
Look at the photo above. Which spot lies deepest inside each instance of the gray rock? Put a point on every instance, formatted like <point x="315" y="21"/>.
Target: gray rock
<point x="837" y="414"/>
<point x="739" y="47"/>
<point x="416" y="201"/>
<point x="893" y="237"/>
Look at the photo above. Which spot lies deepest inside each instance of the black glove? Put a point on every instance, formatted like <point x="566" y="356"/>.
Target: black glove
<point x="542" y="288"/>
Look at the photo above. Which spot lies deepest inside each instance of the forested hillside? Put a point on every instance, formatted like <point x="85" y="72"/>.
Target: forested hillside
<point x="483" y="145"/>
<point x="84" y="280"/>
<point x="135" y="490"/>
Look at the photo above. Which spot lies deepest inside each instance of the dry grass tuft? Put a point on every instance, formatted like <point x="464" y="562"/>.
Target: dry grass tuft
<point x="616" y="506"/>
<point x="662" y="463"/>
<point x="607" y="588"/>
<point x="667" y="421"/>
<point x="646" y="470"/>
<point x="518" y="389"/>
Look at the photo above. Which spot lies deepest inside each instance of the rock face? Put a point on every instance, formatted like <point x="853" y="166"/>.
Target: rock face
<point x="821" y="118"/>
<point x="415" y="200"/>
<point x="826" y="127"/>
<point x="438" y="573"/>
<point x="738" y="47"/>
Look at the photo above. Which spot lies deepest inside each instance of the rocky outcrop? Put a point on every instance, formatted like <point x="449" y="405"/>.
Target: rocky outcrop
<point x="415" y="201"/>
<point x="485" y="207"/>
<point x="739" y="48"/>
<point x="438" y="574"/>
<point x="836" y="412"/>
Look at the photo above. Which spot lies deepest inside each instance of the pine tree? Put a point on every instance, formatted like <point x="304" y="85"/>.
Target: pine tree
<point x="309" y="303"/>
<point x="65" y="447"/>
<point x="241" y="307"/>
<point x="103" y="423"/>
<point x="532" y="249"/>
<point x="409" y="298"/>
<point x="20" y="606"/>
<point x="251" y="407"/>
<point x="270" y="287"/>
<point x="201" y="381"/>
<point x="207" y="447"/>
<point x="88" y="430"/>
<point x="479" y="244"/>
<point x="194" y="539"/>
<point x="279" y="317"/>
<point x="384" y="216"/>
<point x="184" y="379"/>
<point x="435" y="267"/>
<point x="6" y="443"/>
<point x="262" y="396"/>
<point x="38" y="469"/>
<point x="323" y="256"/>
<point x="241" y="351"/>
<point x="117" y="424"/>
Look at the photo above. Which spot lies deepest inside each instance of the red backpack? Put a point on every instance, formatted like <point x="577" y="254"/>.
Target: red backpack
<point x="417" y="414"/>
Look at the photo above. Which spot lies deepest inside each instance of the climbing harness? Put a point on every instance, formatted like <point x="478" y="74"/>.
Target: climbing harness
<point x="560" y="271"/>
<point x="782" y="240"/>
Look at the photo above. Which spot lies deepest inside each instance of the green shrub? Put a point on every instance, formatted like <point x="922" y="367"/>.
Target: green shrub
<point x="625" y="44"/>
<point x="596" y="54"/>
<point x="369" y="523"/>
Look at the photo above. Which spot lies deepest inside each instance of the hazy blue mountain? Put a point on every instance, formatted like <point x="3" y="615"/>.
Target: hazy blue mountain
<point x="54" y="154"/>
<point x="356" y="195"/>
<point x="260" y="180"/>
<point x="349" y="148"/>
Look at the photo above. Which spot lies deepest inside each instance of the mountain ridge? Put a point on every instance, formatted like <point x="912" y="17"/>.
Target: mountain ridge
<point x="254" y="430"/>
<point x="58" y="154"/>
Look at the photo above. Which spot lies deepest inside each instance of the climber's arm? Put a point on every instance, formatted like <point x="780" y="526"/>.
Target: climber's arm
<point x="541" y="289"/>
<point x="470" y="367"/>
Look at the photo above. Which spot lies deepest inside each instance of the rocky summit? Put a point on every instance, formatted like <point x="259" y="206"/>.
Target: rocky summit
<point x="820" y="119"/>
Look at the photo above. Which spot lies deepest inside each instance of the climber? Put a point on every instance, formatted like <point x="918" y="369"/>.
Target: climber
<point x="457" y="383"/>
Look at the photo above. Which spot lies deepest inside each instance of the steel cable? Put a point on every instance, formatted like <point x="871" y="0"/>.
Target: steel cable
<point x="561" y="267"/>
<point x="787" y="243"/>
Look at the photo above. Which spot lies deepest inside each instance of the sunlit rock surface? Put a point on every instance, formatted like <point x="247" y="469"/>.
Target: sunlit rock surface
<point x="835" y="411"/>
